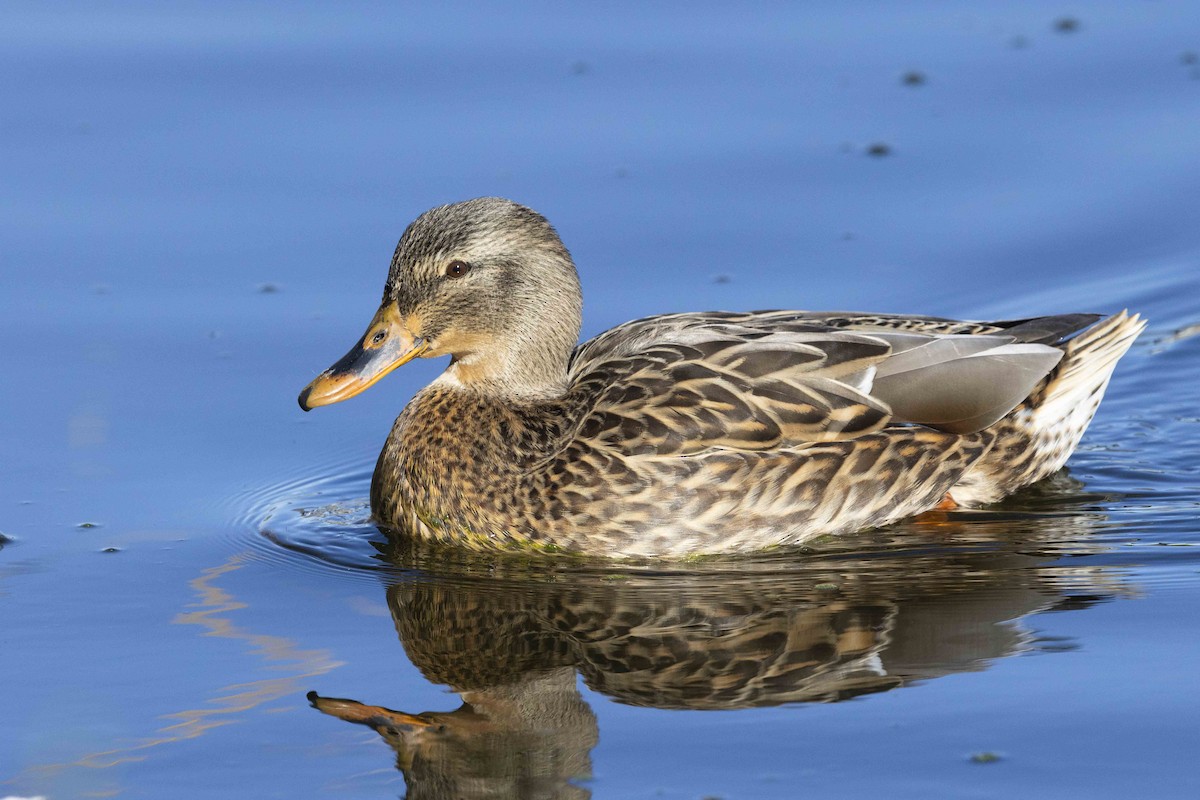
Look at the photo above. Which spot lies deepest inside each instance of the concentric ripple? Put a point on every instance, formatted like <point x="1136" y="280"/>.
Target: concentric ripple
<point x="320" y="521"/>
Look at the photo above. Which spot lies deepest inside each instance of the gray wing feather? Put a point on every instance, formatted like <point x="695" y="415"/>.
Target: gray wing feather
<point x="964" y="394"/>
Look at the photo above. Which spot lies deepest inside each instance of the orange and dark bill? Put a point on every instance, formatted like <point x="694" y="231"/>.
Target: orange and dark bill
<point x="387" y="344"/>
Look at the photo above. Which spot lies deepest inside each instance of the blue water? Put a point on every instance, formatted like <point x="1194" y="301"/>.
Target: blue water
<point x="198" y="204"/>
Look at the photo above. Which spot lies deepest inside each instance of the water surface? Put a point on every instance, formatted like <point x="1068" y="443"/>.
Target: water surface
<point x="200" y="202"/>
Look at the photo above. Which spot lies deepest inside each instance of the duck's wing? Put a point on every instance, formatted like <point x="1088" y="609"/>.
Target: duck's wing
<point x="1051" y="330"/>
<point x="688" y="383"/>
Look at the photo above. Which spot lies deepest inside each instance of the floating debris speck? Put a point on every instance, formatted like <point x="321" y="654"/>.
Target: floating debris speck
<point x="986" y="757"/>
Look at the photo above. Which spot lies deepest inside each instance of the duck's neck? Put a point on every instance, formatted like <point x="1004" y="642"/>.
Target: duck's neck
<point x="523" y="366"/>
<point x="503" y="384"/>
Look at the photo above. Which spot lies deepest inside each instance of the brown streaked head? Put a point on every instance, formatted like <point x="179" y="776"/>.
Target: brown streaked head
<point x="487" y="282"/>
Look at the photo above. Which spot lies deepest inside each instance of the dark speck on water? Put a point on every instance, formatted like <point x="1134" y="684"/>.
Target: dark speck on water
<point x="914" y="78"/>
<point x="1054" y="644"/>
<point x="269" y="288"/>
<point x="88" y="525"/>
<point x="879" y="150"/>
<point x="986" y="757"/>
<point x="1066" y="25"/>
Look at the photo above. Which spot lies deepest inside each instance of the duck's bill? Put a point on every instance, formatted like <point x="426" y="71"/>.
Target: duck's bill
<point x="387" y="344"/>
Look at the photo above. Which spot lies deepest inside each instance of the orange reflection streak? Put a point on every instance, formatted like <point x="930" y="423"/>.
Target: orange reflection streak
<point x="280" y="653"/>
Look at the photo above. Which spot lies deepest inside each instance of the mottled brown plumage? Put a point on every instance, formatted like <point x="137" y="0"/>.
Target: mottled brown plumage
<point x="690" y="434"/>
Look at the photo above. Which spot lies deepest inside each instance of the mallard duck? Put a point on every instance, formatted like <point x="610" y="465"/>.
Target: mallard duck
<point x="696" y="433"/>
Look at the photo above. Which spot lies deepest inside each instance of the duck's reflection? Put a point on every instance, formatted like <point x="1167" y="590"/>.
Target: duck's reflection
<point x="529" y="737"/>
<point x="935" y="599"/>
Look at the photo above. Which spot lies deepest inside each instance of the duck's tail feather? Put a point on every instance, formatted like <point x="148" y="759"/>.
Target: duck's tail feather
<point x="1038" y="437"/>
<point x="1068" y="397"/>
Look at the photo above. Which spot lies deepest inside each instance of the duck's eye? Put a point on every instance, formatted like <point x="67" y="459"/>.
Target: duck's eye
<point x="379" y="337"/>
<point x="456" y="269"/>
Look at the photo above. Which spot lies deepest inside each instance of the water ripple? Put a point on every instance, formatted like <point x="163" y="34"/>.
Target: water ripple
<point x="319" y="522"/>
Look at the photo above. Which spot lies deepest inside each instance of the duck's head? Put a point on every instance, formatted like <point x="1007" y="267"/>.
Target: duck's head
<point x="486" y="282"/>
